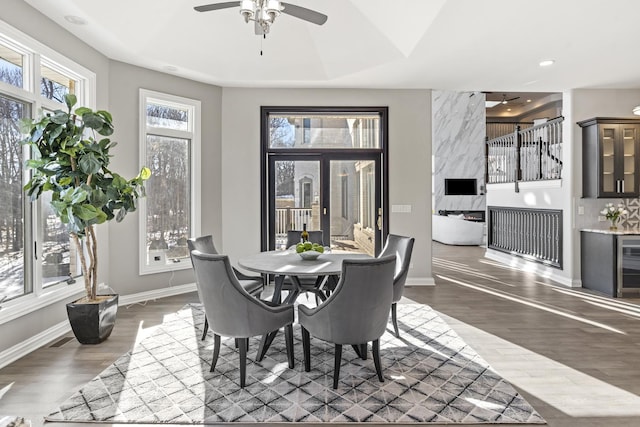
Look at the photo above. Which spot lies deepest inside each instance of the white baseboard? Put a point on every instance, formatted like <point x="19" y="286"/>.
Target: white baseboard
<point x="29" y="345"/>
<point x="14" y="353"/>
<point x="542" y="270"/>
<point x="420" y="281"/>
<point x="156" y="293"/>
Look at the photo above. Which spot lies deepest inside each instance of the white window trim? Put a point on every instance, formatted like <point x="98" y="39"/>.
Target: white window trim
<point x="86" y="92"/>
<point x="194" y="134"/>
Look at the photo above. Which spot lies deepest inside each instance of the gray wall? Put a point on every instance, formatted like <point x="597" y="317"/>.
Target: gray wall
<point x="409" y="160"/>
<point x="24" y="18"/>
<point x="124" y="83"/>
<point x="459" y="129"/>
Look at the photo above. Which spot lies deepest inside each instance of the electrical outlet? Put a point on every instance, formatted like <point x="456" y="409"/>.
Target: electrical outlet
<point x="580" y="210"/>
<point x="602" y="218"/>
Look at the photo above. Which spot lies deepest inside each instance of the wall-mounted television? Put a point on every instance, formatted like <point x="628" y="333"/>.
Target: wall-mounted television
<point x="460" y="187"/>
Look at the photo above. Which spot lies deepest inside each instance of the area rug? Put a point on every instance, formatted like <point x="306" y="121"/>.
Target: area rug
<point x="431" y="376"/>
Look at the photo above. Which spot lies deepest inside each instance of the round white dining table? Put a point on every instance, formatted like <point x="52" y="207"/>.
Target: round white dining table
<point x="288" y="263"/>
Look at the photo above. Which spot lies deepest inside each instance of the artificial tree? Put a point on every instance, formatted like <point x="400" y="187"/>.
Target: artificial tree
<point x="71" y="161"/>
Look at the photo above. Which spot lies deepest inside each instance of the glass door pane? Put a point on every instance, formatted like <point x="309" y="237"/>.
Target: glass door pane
<point x="608" y="169"/>
<point x="629" y="153"/>
<point x="354" y="209"/>
<point x="297" y="197"/>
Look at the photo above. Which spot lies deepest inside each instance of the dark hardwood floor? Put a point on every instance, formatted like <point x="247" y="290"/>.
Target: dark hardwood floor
<point x="574" y="355"/>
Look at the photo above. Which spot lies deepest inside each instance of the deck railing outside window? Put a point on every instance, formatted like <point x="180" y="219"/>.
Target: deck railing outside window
<point x="531" y="154"/>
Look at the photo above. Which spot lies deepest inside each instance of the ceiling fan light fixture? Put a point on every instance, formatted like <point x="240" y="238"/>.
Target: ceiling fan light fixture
<point x="273" y="8"/>
<point x="636" y="110"/>
<point x="248" y="9"/>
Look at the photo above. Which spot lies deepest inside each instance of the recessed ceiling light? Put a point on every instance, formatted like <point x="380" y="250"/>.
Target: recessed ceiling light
<point x="508" y="109"/>
<point x="528" y="100"/>
<point x="547" y="62"/>
<point x="75" y="20"/>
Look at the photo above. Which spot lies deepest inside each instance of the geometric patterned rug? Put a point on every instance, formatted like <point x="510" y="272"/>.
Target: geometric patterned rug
<point x="431" y="376"/>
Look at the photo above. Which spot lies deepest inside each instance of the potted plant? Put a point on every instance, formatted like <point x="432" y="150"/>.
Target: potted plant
<point x="71" y="162"/>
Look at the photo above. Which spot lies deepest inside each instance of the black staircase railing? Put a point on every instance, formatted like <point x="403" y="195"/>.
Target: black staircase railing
<point x="533" y="234"/>
<point x="531" y="154"/>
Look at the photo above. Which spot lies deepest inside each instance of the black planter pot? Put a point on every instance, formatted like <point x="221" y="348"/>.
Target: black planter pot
<point x="92" y="322"/>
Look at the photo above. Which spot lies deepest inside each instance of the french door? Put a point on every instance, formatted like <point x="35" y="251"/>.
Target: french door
<point x="306" y="181"/>
<point x="337" y="193"/>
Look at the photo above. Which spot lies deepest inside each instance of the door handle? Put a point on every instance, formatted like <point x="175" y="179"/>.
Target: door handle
<point x="379" y="221"/>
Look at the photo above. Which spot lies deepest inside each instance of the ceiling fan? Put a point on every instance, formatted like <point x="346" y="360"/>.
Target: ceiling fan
<point x="505" y="100"/>
<point x="264" y="12"/>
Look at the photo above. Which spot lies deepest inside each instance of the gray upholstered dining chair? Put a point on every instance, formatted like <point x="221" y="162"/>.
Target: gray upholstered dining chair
<point x="401" y="247"/>
<point x="232" y="312"/>
<point x="354" y="314"/>
<point x="252" y="284"/>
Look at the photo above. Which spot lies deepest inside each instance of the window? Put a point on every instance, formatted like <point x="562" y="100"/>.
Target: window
<point x="170" y="147"/>
<point x="11" y="66"/>
<point x="325" y="130"/>
<point x="36" y="259"/>
<point x="12" y="236"/>
<point x="55" y="83"/>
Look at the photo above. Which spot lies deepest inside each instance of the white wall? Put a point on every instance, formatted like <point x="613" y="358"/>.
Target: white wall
<point x="409" y="162"/>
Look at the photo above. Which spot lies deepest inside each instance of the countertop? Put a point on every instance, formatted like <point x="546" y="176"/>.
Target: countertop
<point x="619" y="232"/>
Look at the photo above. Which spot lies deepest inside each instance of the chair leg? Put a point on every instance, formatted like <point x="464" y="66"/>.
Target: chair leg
<point x="288" y="336"/>
<point x="336" y="365"/>
<point x="376" y="358"/>
<point x="306" y="349"/>
<point x="242" y="346"/>
<point x="361" y="350"/>
<point x="206" y="328"/>
<point x="394" y="318"/>
<point x="216" y="351"/>
<point x="265" y="343"/>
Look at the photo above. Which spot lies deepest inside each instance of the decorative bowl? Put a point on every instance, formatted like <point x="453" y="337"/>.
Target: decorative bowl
<point x="309" y="255"/>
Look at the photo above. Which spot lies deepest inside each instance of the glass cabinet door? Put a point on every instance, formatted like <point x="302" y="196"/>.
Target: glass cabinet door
<point x="608" y="178"/>
<point x="628" y="141"/>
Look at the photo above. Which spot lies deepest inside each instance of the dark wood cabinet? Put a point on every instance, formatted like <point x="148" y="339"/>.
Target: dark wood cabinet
<point x="610" y="262"/>
<point x="610" y="157"/>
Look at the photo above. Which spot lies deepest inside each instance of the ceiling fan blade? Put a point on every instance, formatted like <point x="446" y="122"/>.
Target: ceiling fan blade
<point x="217" y="6"/>
<point x="512" y="99"/>
<point x="304" y="13"/>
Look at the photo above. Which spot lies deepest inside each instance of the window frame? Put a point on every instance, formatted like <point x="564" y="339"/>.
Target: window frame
<point x="36" y="296"/>
<point x="194" y="135"/>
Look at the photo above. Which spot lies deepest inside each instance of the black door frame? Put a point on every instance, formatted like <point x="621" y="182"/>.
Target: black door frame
<point x="270" y="155"/>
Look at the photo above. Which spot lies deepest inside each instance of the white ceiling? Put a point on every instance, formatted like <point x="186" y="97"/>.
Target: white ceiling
<point x="490" y="45"/>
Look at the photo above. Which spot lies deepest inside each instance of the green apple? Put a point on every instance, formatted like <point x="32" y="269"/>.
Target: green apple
<point x="299" y="248"/>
